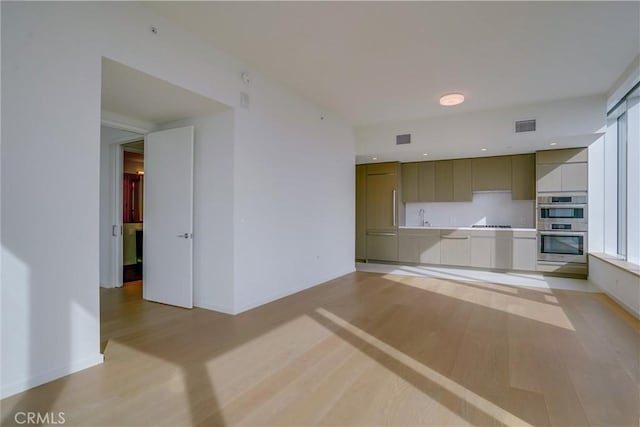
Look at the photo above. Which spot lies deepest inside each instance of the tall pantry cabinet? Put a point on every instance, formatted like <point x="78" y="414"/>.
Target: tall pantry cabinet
<point x="377" y="206"/>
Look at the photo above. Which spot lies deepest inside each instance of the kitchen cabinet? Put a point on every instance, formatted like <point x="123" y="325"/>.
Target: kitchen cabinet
<point x="453" y="180"/>
<point x="562" y="177"/>
<point x="455" y="247"/>
<point x="523" y="177"/>
<point x="382" y="246"/>
<point x="525" y="253"/>
<point x="491" y="173"/>
<point x="444" y="180"/>
<point x="481" y="248"/>
<point x="410" y="182"/>
<point x="562" y="170"/>
<point x="568" y="155"/>
<point x="574" y="177"/>
<point x="462" y="187"/>
<point x="419" y="246"/>
<point x="427" y="182"/>
<point x="549" y="177"/>
<point x="361" y="218"/>
<point x="492" y="249"/>
<point x="381" y="202"/>
<point x="502" y="251"/>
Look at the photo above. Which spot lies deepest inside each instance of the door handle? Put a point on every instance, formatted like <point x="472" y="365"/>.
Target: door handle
<point x="394" y="207"/>
<point x="185" y="235"/>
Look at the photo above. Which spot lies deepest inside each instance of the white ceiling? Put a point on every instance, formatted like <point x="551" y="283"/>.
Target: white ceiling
<point x="385" y="61"/>
<point x="138" y="95"/>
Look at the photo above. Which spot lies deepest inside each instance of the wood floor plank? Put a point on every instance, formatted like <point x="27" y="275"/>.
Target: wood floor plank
<point x="364" y="349"/>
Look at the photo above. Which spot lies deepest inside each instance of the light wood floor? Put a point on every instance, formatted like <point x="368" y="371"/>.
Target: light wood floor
<point x="364" y="349"/>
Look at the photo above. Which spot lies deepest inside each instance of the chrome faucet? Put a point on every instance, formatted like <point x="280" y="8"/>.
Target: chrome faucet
<point x="422" y="220"/>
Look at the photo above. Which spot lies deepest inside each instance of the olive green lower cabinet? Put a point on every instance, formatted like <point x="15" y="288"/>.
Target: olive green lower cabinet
<point x="525" y="250"/>
<point x="491" y="249"/>
<point x="382" y="246"/>
<point x="455" y="247"/>
<point x="419" y="246"/>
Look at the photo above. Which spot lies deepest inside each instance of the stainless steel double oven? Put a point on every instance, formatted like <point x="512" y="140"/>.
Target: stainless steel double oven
<point x="562" y="227"/>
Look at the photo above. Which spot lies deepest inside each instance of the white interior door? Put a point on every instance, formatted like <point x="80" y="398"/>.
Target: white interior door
<point x="168" y="217"/>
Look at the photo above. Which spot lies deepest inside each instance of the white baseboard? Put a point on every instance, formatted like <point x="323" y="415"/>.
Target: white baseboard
<point x="214" y="307"/>
<point x="36" y="380"/>
<point x="634" y="312"/>
<point x="257" y="303"/>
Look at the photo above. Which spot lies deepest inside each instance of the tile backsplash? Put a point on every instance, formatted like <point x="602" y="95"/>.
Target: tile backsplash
<point x="486" y="208"/>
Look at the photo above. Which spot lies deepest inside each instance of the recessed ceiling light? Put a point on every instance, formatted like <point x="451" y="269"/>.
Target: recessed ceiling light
<point x="375" y="158"/>
<point x="483" y="149"/>
<point x="451" y="99"/>
<point x="553" y="143"/>
<point x="425" y="154"/>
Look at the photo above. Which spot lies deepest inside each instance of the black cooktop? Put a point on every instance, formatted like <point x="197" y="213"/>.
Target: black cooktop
<point x="490" y="226"/>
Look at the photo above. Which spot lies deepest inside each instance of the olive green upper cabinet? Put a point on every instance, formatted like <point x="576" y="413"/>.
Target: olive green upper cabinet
<point x="453" y="180"/>
<point x="491" y="173"/>
<point x="410" y="182"/>
<point x="444" y="180"/>
<point x="462" y="180"/>
<point x="427" y="182"/>
<point x="523" y="177"/>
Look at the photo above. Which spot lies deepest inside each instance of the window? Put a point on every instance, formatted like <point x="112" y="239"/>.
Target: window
<point x="622" y="185"/>
<point x="624" y="119"/>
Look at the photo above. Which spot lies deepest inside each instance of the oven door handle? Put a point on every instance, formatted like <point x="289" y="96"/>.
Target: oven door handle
<point x="559" y="206"/>
<point x="562" y="233"/>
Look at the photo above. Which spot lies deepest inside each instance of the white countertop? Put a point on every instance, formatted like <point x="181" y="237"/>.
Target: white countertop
<point x="417" y="227"/>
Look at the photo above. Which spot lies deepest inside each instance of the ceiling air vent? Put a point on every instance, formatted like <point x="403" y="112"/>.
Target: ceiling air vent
<point x="403" y="139"/>
<point x="525" y="126"/>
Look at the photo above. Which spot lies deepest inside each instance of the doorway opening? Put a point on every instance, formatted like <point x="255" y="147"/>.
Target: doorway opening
<point x="146" y="192"/>
<point x="132" y="213"/>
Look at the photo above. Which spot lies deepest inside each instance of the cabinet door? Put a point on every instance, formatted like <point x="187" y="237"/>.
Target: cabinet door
<point x="419" y="249"/>
<point x="462" y="180"/>
<point x="523" y="177"/>
<point x="503" y="253"/>
<point x="444" y="180"/>
<point x="361" y="218"/>
<point x="427" y="182"/>
<point x="381" y="195"/>
<point x="567" y="155"/>
<point x="574" y="177"/>
<point x="455" y="250"/>
<point x="491" y="173"/>
<point x="410" y="182"/>
<point x="525" y="254"/>
<point x="481" y="251"/>
<point x="382" y="246"/>
<point x="549" y="177"/>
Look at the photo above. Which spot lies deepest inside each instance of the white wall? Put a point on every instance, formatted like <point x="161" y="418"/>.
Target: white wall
<point x="596" y="207"/>
<point x="570" y="123"/>
<point x="486" y="208"/>
<point x="284" y="158"/>
<point x="294" y="197"/>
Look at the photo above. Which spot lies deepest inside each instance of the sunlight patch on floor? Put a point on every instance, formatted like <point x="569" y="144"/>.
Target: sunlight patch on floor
<point x="276" y="348"/>
<point x="510" y="278"/>
<point x="477" y="401"/>
<point x="544" y="312"/>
